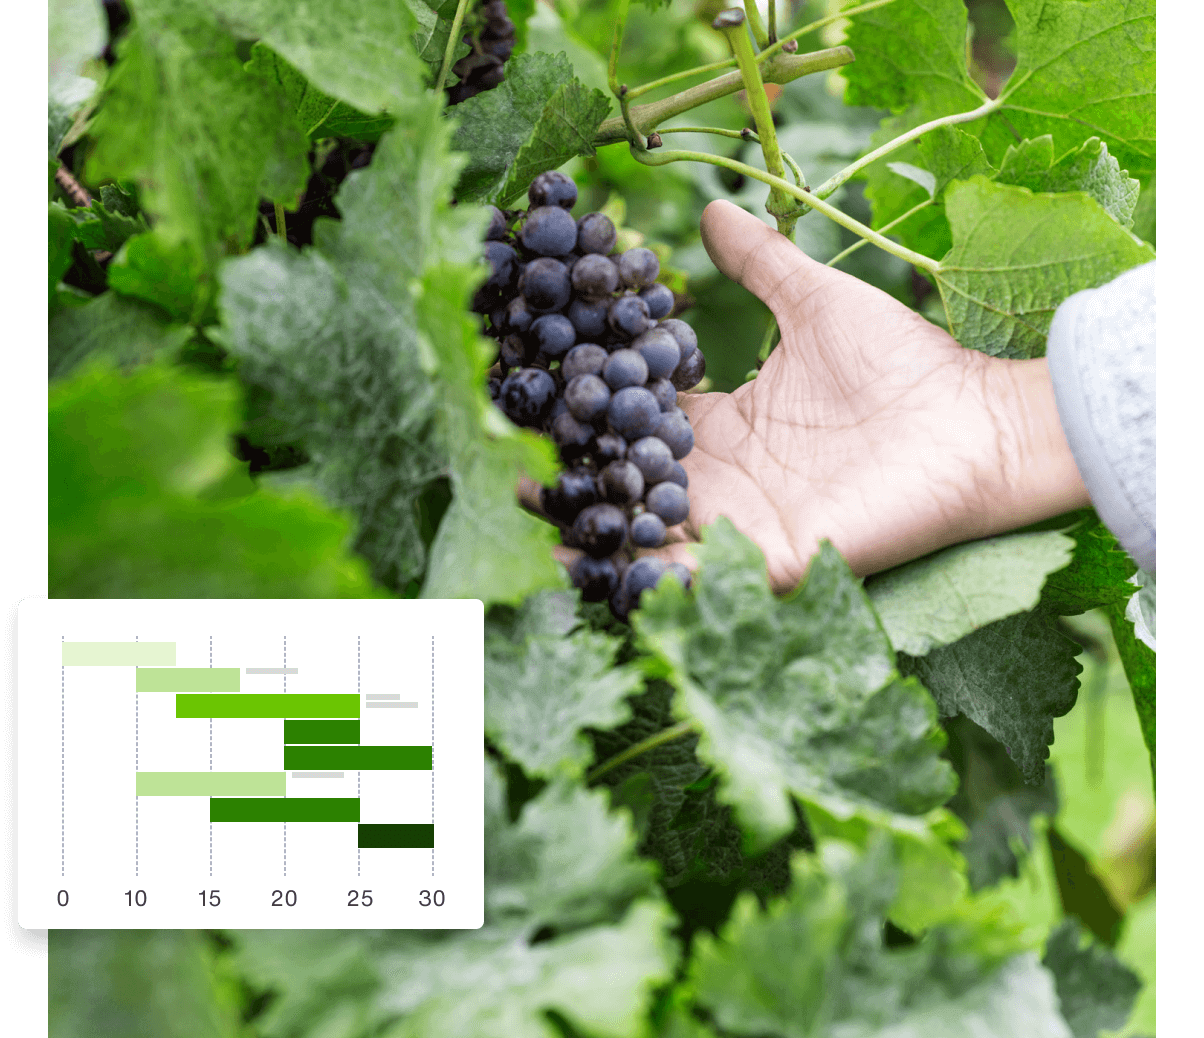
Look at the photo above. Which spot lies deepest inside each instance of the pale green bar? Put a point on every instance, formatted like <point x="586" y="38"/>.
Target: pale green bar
<point x="119" y="654"/>
<point x="187" y="680"/>
<point x="210" y="783"/>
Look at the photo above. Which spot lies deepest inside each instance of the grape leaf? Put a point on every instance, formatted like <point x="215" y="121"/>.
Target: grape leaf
<point x="944" y="596"/>
<point x="795" y="698"/>
<point x="98" y="227"/>
<point x="1096" y="990"/>
<point x="170" y="274"/>
<point x="1012" y="677"/>
<point x="1089" y="168"/>
<point x="317" y="113"/>
<point x="543" y="685"/>
<point x="563" y="872"/>
<point x="61" y="244"/>
<point x="374" y="363"/>
<point x="536" y="120"/>
<point x="815" y="963"/>
<point x="110" y="325"/>
<point x="1017" y="255"/>
<point x="357" y="52"/>
<point x="1097" y="575"/>
<point x="145" y="500"/>
<point x="950" y="154"/>
<point x="179" y="78"/>
<point x="434" y="20"/>
<point x="67" y="94"/>
<point x="1141" y="669"/>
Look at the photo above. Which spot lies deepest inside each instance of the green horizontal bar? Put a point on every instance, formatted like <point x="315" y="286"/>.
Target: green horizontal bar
<point x="267" y="705"/>
<point x="119" y="654"/>
<point x="357" y="758"/>
<point x="203" y="680"/>
<point x="321" y="731"/>
<point x="210" y="783"/>
<point x="422" y="835"/>
<point x="285" y="809"/>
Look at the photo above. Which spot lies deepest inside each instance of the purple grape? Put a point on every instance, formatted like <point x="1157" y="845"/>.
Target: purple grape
<point x="497" y="224"/>
<point x="660" y="350"/>
<point x="647" y="530"/>
<point x="597" y="578"/>
<point x="594" y="277"/>
<point x="659" y="299"/>
<point x="687" y="338"/>
<point x="549" y="231"/>
<point x="652" y="457"/>
<point x="545" y="285"/>
<point x="586" y="358"/>
<point x="669" y="501"/>
<point x="642" y="575"/>
<point x="678" y="475"/>
<point x="633" y="412"/>
<point x="607" y="448"/>
<point x="690" y="371"/>
<point x="574" y="490"/>
<point x="518" y="317"/>
<point x="625" y="368"/>
<point x="600" y="530"/>
<point x="553" y="334"/>
<point x="638" y="267"/>
<point x="663" y="390"/>
<point x="675" y="430"/>
<point x="512" y="352"/>
<point x="552" y="188"/>
<point x="571" y="436"/>
<point x="589" y="318"/>
<point x="596" y="233"/>
<point x="628" y="316"/>
<point x="527" y="396"/>
<point x="683" y="574"/>
<point x="621" y="483"/>
<point x="587" y="397"/>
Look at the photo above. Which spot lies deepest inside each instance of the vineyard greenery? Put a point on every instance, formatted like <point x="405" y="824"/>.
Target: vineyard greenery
<point x="915" y="803"/>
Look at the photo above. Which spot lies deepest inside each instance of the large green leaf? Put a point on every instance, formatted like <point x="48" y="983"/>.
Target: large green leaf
<point x="1097" y="575"/>
<point x="1089" y="169"/>
<point x="944" y="596"/>
<point x="145" y="500"/>
<point x="796" y="698"/>
<point x="374" y="363"/>
<point x="110" y="325"/>
<point x="1096" y="990"/>
<point x="544" y="684"/>
<point x="434" y="20"/>
<point x="1017" y="255"/>
<point x="1012" y="677"/>
<point x="815" y="964"/>
<point x="536" y="120"/>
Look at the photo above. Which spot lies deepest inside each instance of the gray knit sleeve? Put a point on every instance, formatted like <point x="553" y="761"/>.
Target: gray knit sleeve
<point x="1101" y="358"/>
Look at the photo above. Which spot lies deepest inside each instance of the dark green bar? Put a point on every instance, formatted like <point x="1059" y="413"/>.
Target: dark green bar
<point x="422" y="835"/>
<point x="322" y="731"/>
<point x="266" y="705"/>
<point x="284" y="809"/>
<point x="357" y="758"/>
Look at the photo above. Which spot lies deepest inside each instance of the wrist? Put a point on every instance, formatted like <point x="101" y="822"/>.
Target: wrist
<point x="1037" y="476"/>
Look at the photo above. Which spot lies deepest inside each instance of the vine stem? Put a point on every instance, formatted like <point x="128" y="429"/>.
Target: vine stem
<point x="663" y="158"/>
<point x="755" y="24"/>
<point x="612" y="66"/>
<point x="281" y="230"/>
<point x="452" y="39"/>
<point x="772" y="28"/>
<point x="834" y="181"/>
<point x="643" y="746"/>
<point x="881" y="230"/>
<point x="773" y="48"/>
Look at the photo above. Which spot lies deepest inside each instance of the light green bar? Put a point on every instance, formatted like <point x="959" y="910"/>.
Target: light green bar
<point x="188" y="680"/>
<point x="210" y="784"/>
<point x="119" y="654"/>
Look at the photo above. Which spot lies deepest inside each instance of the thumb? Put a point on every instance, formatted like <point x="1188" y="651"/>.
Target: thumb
<point x="756" y="256"/>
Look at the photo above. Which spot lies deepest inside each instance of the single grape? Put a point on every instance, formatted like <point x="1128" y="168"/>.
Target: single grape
<point x="497" y="321"/>
<point x="501" y="258"/>
<point x="652" y="457"/>
<point x="629" y="317"/>
<point x="586" y="358"/>
<point x="573" y="491"/>
<point x="618" y="603"/>
<point x="683" y="574"/>
<point x="596" y="233"/>
<point x="647" y="530"/>
<point x="552" y="188"/>
<point x="512" y="352"/>
<point x="594" y="276"/>
<point x="518" y="317"/>
<point x="587" y="397"/>
<point x="549" y="230"/>
<point x="669" y="501"/>
<point x="607" y="448"/>
<point x="527" y="396"/>
<point x="675" y="430"/>
<point x="601" y="530"/>
<point x="633" y="412"/>
<point x="660" y="350"/>
<point x="621" y="483"/>
<point x="597" y="578"/>
<point x="552" y="334"/>
<point x="687" y="338"/>
<point x="678" y="475"/>
<point x="495" y="388"/>
<point x="690" y="371"/>
<point x="571" y="436"/>
<point x="497" y="224"/>
<point x="625" y="368"/>
<point x="589" y="318"/>
<point x="642" y="575"/>
<point x="638" y="267"/>
<point x="659" y="299"/>
<point x="545" y="285"/>
<point x="663" y="390"/>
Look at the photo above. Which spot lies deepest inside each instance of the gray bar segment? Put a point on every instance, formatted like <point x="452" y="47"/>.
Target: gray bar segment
<point x="316" y="774"/>
<point x="385" y="706"/>
<point x="271" y="670"/>
<point x="382" y="696"/>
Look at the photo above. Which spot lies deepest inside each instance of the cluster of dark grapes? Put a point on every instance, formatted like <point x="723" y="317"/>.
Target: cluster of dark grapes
<point x="483" y="67"/>
<point x="588" y="354"/>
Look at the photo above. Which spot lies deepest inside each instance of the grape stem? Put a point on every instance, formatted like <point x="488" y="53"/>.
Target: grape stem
<point x="663" y="158"/>
<point x="753" y="14"/>
<point x="281" y="230"/>
<point x="881" y="230"/>
<point x="772" y="28"/>
<point x="452" y="39"/>
<point x="643" y="746"/>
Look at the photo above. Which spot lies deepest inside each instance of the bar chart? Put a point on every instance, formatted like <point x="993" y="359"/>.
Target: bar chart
<point x="243" y="763"/>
